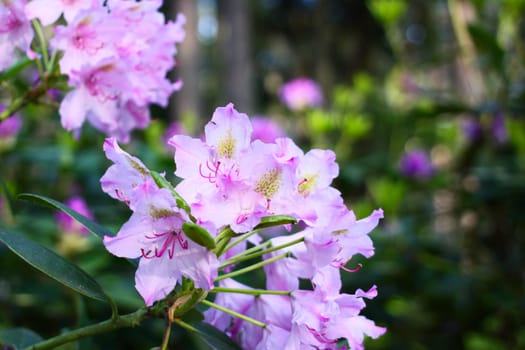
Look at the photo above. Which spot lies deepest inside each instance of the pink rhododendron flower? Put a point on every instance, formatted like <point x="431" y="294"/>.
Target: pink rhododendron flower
<point x="15" y="32"/>
<point x="116" y="63"/>
<point x="300" y="93"/>
<point x="232" y="183"/>
<point x="266" y="130"/>
<point x="124" y="175"/>
<point x="48" y="11"/>
<point x="154" y="231"/>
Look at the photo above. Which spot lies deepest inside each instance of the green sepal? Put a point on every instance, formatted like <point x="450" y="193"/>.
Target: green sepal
<point x="275" y="220"/>
<point x="198" y="234"/>
<point x="185" y="302"/>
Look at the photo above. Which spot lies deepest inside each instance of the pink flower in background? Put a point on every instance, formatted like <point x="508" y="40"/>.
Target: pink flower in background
<point x="117" y="64"/>
<point x="48" y="11"/>
<point x="69" y="225"/>
<point x="175" y="128"/>
<point x="266" y="129"/>
<point x="15" y="32"/>
<point x="301" y="93"/>
<point x="11" y="126"/>
<point x="416" y="164"/>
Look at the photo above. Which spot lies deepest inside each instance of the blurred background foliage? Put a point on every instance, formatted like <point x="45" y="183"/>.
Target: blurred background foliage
<point x="442" y="78"/>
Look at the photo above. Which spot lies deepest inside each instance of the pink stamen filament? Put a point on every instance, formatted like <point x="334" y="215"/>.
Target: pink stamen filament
<point x="170" y="240"/>
<point x="303" y="181"/>
<point x="342" y="266"/>
<point x="213" y="171"/>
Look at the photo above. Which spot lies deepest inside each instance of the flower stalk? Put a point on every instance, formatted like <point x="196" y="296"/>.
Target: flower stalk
<point x="234" y="313"/>
<point x="125" y="321"/>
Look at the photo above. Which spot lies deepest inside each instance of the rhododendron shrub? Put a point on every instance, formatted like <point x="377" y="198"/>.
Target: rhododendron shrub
<point x="246" y="198"/>
<point x="231" y="188"/>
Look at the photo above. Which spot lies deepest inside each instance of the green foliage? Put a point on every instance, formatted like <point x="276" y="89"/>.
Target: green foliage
<point x="52" y="265"/>
<point x="19" y="338"/>
<point x="93" y="227"/>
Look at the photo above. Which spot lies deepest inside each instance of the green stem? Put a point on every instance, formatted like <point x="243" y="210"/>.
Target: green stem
<point x="42" y="39"/>
<point x="240" y="239"/>
<point x="234" y="313"/>
<point x="129" y="320"/>
<point x="255" y="292"/>
<point x="243" y="256"/>
<point x="52" y="61"/>
<point x="185" y="325"/>
<point x="166" y="337"/>
<point x="30" y="95"/>
<point x="252" y="267"/>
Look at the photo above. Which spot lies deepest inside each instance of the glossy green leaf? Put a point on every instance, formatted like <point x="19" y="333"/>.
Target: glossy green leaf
<point x="276" y="220"/>
<point x="52" y="264"/>
<point x="214" y="337"/>
<point x="19" y="338"/>
<point x="92" y="226"/>
<point x="198" y="234"/>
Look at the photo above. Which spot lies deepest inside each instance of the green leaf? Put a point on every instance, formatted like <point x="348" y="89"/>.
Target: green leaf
<point x="15" y="69"/>
<point x="275" y="220"/>
<point x="19" y="337"/>
<point x="92" y="226"/>
<point x="198" y="234"/>
<point x="52" y="265"/>
<point x="214" y="337"/>
<point x="486" y="42"/>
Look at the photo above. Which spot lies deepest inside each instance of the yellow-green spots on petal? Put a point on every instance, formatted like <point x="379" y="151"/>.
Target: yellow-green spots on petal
<point x="160" y="213"/>
<point x="269" y="183"/>
<point x="226" y="146"/>
<point x="339" y="232"/>
<point x="308" y="183"/>
<point x="135" y="165"/>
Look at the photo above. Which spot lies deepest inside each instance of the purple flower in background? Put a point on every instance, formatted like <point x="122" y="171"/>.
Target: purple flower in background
<point x="498" y="128"/>
<point x="265" y="129"/>
<point x="490" y="125"/>
<point x="301" y="93"/>
<point x="472" y="129"/>
<point x="10" y="126"/>
<point x="69" y="225"/>
<point x="416" y="164"/>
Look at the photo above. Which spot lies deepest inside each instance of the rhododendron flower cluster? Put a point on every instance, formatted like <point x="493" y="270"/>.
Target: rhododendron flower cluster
<point x="232" y="188"/>
<point x="111" y="51"/>
<point x="15" y="31"/>
<point x="117" y="64"/>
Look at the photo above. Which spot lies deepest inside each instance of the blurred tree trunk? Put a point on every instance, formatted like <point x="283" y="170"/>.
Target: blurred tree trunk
<point x="187" y="101"/>
<point x="235" y="53"/>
